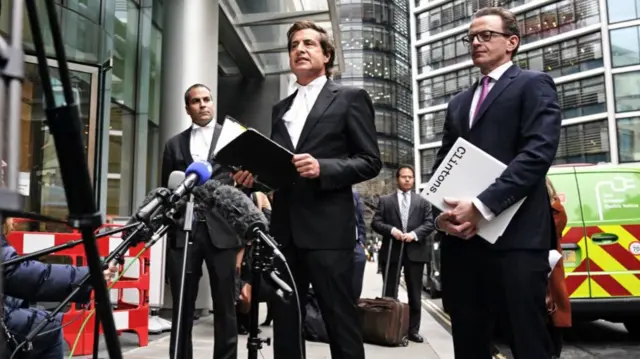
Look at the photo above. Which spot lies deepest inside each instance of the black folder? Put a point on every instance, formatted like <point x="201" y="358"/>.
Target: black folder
<point x="269" y="162"/>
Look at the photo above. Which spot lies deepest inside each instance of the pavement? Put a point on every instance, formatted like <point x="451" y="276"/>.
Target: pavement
<point x="437" y="343"/>
<point x="598" y="339"/>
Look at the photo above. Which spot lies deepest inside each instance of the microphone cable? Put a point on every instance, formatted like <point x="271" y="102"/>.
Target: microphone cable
<point x="115" y="280"/>
<point x="301" y="342"/>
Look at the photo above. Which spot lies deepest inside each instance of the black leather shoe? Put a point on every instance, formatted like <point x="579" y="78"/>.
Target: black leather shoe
<point x="415" y="337"/>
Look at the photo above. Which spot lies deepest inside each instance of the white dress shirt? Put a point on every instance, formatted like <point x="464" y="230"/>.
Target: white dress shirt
<point x="400" y="195"/>
<point x="302" y="104"/>
<point x="200" y="142"/>
<point x="494" y="76"/>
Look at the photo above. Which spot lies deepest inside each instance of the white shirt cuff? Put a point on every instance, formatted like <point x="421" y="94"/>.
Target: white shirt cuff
<point x="414" y="235"/>
<point x="484" y="210"/>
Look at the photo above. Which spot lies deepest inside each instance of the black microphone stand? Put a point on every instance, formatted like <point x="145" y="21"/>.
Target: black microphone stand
<point x="181" y="337"/>
<point x="65" y="127"/>
<point x="260" y="264"/>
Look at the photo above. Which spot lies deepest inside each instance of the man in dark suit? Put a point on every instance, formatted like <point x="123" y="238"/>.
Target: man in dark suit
<point x="213" y="240"/>
<point x="514" y="116"/>
<point x="331" y="130"/>
<point x="404" y="216"/>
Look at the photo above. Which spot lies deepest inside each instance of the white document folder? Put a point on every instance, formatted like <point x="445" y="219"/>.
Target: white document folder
<point x="464" y="173"/>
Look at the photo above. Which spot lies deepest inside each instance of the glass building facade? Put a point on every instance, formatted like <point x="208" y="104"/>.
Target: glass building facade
<point x="375" y="39"/>
<point x="130" y="65"/>
<point x="590" y="47"/>
<point x="113" y="49"/>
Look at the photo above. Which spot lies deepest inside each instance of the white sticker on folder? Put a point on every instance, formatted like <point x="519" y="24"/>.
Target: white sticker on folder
<point x="230" y="131"/>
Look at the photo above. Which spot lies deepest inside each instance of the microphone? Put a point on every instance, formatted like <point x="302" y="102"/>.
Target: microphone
<point x="175" y="179"/>
<point x="197" y="173"/>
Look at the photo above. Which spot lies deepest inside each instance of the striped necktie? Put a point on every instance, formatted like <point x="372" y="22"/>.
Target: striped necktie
<point x="404" y="210"/>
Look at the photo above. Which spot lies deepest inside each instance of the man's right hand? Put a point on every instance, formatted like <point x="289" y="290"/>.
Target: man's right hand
<point x="446" y="222"/>
<point x="396" y="233"/>
<point x="243" y="178"/>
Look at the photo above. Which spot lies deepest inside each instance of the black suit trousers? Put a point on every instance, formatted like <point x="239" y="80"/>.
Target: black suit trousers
<point x="330" y="272"/>
<point x="481" y="284"/>
<point x="413" y="272"/>
<point x="221" y="265"/>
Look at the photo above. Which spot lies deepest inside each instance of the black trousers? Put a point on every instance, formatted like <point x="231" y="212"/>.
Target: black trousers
<point x="330" y="272"/>
<point x="413" y="272"/>
<point x="221" y="265"/>
<point x="481" y="284"/>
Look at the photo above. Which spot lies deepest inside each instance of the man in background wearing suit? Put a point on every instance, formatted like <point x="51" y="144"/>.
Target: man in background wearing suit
<point x="331" y="130"/>
<point x="404" y="216"/>
<point x="514" y="116"/>
<point x="361" y="239"/>
<point x="214" y="241"/>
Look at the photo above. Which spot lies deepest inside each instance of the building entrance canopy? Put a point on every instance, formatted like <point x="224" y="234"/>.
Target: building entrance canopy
<point x="262" y="25"/>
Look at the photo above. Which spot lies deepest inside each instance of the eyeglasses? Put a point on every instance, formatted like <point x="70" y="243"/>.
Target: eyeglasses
<point x="482" y="36"/>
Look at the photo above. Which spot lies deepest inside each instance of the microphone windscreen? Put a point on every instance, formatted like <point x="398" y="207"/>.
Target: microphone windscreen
<point x="203" y="169"/>
<point x="204" y="193"/>
<point x="238" y="210"/>
<point x="175" y="178"/>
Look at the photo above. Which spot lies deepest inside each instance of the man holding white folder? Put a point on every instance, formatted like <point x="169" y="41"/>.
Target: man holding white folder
<point x="513" y="115"/>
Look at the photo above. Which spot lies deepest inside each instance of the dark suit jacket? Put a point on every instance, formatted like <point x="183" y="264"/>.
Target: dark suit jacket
<point x="361" y="228"/>
<point x="340" y="133"/>
<point x="518" y="124"/>
<point x="177" y="157"/>
<point x="420" y="221"/>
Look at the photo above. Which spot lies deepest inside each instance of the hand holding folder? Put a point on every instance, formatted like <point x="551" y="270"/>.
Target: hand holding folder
<point x="244" y="148"/>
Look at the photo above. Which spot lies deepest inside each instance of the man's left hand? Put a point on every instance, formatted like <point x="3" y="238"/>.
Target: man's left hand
<point x="408" y="237"/>
<point x="306" y="165"/>
<point x="464" y="211"/>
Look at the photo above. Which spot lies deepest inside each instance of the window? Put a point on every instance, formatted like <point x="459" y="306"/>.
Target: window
<point x="125" y="61"/>
<point x="87" y="8"/>
<point x="431" y="125"/>
<point x="534" y="25"/>
<point x="584" y="143"/>
<point x="626" y="90"/>
<point x="629" y="139"/>
<point x="574" y="55"/>
<point x="557" y="18"/>
<point x="394" y="124"/>
<point x="440" y="89"/>
<point x="564" y="58"/>
<point x="625" y="46"/>
<point x="623" y="10"/>
<point x="153" y="157"/>
<point x="439" y="54"/>
<point x="388" y="151"/>
<point x="40" y="179"/>
<point x="155" y="68"/>
<point x="456" y="13"/>
<point x="120" y="175"/>
<point x="157" y="12"/>
<point x="582" y="98"/>
<point x="427" y="159"/>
